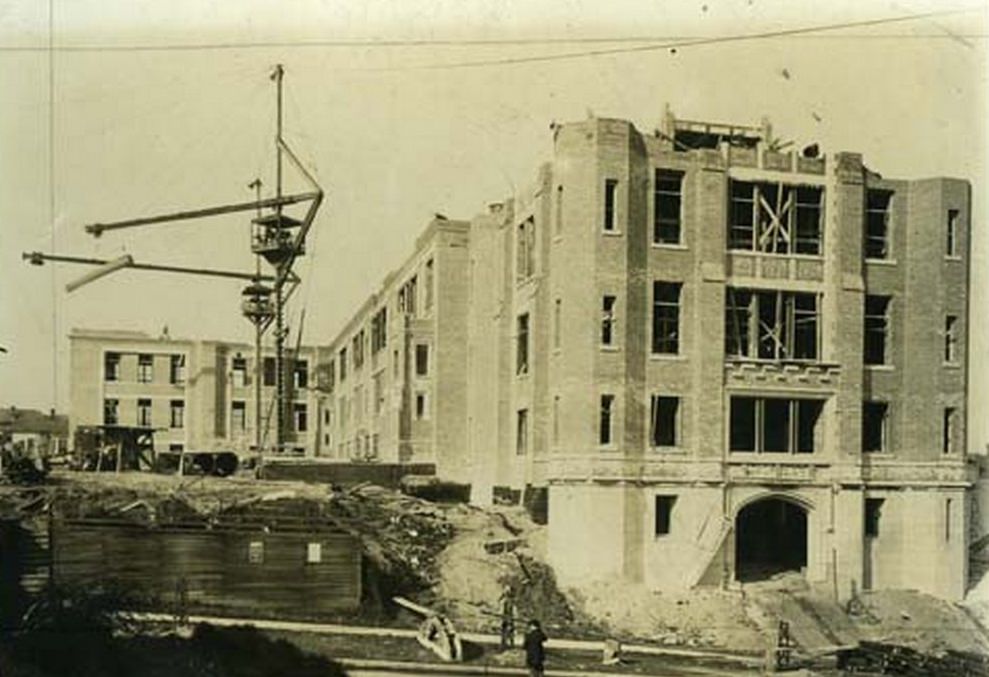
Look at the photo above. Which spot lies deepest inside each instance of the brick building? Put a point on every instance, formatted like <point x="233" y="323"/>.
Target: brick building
<point x="398" y="369"/>
<point x="198" y="395"/>
<point x="715" y="361"/>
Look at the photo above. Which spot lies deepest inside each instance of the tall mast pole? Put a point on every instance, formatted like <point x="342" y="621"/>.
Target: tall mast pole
<point x="280" y="405"/>
<point x="256" y="184"/>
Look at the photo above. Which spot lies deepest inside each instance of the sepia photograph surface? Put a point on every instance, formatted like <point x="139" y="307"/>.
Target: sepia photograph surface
<point x="432" y="337"/>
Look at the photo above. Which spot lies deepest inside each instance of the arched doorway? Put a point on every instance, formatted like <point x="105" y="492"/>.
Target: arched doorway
<point x="770" y="538"/>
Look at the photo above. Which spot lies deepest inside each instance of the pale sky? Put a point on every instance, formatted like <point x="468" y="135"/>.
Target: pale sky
<point x="167" y="106"/>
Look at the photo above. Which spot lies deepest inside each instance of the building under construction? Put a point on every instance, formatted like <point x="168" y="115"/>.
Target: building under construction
<point x="704" y="357"/>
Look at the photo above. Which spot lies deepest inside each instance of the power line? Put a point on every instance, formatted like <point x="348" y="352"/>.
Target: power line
<point x="668" y="40"/>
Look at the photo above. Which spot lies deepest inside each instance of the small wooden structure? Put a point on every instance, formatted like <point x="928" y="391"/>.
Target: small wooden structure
<point x="115" y="447"/>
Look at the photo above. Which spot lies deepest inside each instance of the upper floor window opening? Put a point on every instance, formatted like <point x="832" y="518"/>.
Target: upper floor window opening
<point x="771" y="325"/>
<point x="610" y="223"/>
<point x="775" y="218"/>
<point x="525" y="249"/>
<point x="145" y="368"/>
<point x="667" y="204"/>
<point x="877" y="219"/>
<point x="876" y="330"/>
<point x="666" y="317"/>
<point x="951" y="236"/>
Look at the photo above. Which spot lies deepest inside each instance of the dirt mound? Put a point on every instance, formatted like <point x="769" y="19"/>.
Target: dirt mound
<point x="921" y="622"/>
<point x="701" y="617"/>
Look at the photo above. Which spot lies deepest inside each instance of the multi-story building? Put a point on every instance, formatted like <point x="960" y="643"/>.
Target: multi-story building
<point x="397" y="371"/>
<point x="197" y="395"/>
<point x="714" y="360"/>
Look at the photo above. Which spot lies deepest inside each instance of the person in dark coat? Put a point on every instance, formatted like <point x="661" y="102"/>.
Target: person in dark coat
<point x="535" y="656"/>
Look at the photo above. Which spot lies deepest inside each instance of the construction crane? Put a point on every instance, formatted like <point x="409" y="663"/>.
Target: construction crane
<point x="276" y="237"/>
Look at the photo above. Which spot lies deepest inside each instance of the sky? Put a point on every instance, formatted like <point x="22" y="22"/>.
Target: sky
<point x="112" y="109"/>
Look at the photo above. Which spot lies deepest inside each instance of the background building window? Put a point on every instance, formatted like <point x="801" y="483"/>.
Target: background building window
<point x="144" y="413"/>
<point x="525" y="249"/>
<point x="300" y="374"/>
<point x="664" y="514"/>
<point x="557" y="320"/>
<point x="422" y="407"/>
<point x="610" y="202"/>
<point x="176" y="371"/>
<point x="428" y="282"/>
<point x="608" y="320"/>
<point x="239" y="369"/>
<point x="951" y="339"/>
<point x="663" y="420"/>
<point x="876" y="329"/>
<point x="145" y="368"/>
<point x="559" y="210"/>
<point x="667" y="205"/>
<point x="300" y="414"/>
<point x="343" y="366"/>
<point x="522" y="432"/>
<point x="269" y="371"/>
<point x="877" y="216"/>
<point x="951" y="243"/>
<point x="177" y="414"/>
<point x="949" y="435"/>
<point x="522" y="344"/>
<point x="666" y="317"/>
<point x="111" y="367"/>
<point x="422" y="359"/>
<point x="111" y="411"/>
<point x="605" y="436"/>
<point x="238" y="415"/>
<point x="874" y="426"/>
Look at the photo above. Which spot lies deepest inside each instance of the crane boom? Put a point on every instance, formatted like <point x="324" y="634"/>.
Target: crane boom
<point x="38" y="258"/>
<point x="97" y="229"/>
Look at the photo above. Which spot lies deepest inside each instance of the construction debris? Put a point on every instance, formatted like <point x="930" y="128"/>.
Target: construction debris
<point x="436" y="632"/>
<point x="893" y="659"/>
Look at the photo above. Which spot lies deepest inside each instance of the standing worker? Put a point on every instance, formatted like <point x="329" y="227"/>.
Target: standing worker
<point x="535" y="656"/>
<point x="507" y="618"/>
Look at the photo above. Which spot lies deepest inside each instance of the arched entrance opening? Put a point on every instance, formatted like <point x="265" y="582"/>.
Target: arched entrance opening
<point x="770" y="538"/>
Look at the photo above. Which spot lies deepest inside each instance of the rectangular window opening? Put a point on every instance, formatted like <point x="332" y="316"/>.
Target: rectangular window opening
<point x="664" y="514"/>
<point x="111" y="366"/>
<point x="663" y="420"/>
<point x="522" y="432"/>
<point x="145" y="368"/>
<point x="422" y="359"/>
<point x="876" y="329"/>
<point x="877" y="218"/>
<point x="608" y="320"/>
<point x="951" y="339"/>
<point x="176" y="371"/>
<point x="873" y="514"/>
<point x="610" y="200"/>
<point x="666" y="318"/>
<point x="177" y="414"/>
<point x="605" y="435"/>
<point x="144" y="413"/>
<point x="667" y="199"/>
<point x="774" y="425"/>
<point x="522" y="344"/>
<point x="949" y="434"/>
<point x="874" y="427"/>
<point x="238" y="415"/>
<point x="951" y="243"/>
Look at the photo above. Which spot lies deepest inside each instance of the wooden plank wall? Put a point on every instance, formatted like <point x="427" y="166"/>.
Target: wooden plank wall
<point x="215" y="567"/>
